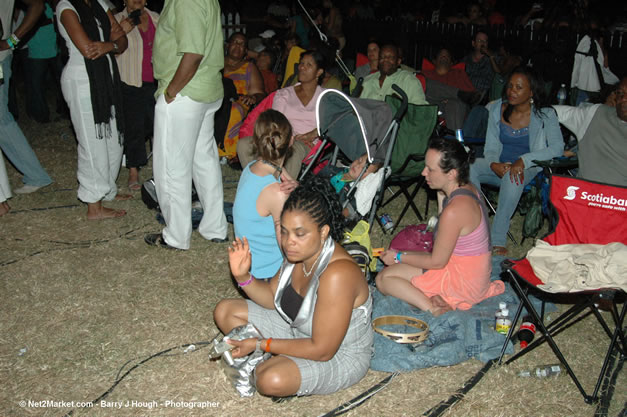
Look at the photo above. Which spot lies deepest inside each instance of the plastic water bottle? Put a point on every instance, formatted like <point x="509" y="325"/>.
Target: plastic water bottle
<point x="526" y="332"/>
<point x="386" y="222"/>
<point x="499" y="312"/>
<point x="504" y="322"/>
<point x="562" y="94"/>
<point x="543" y="371"/>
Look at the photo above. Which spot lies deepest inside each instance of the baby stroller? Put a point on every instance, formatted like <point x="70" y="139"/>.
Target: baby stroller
<point x="357" y="127"/>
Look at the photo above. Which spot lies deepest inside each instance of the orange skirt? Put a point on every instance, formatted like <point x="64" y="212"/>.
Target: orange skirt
<point x="463" y="282"/>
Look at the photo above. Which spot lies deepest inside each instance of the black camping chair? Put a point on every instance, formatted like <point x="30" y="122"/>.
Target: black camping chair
<point x="586" y="213"/>
<point x="408" y="154"/>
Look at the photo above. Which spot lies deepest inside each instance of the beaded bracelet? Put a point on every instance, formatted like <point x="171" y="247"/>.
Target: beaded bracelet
<point x="13" y="40"/>
<point x="10" y="43"/>
<point x="245" y="283"/>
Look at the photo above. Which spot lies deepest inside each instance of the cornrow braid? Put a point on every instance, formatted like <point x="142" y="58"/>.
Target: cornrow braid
<point x="316" y="197"/>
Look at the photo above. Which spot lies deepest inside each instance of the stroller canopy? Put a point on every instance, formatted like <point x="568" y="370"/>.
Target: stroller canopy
<point x="355" y="125"/>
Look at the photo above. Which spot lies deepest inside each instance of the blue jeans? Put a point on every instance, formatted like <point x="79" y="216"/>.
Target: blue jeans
<point x="509" y="195"/>
<point x="12" y="140"/>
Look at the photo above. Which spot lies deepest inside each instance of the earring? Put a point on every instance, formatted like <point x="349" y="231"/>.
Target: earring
<point x="531" y="100"/>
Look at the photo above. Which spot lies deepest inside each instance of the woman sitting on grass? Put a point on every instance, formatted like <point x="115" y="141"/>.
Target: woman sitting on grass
<point x="261" y="194"/>
<point x="314" y="314"/>
<point x="456" y="275"/>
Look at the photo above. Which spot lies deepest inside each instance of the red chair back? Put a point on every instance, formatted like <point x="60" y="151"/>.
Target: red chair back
<point x="587" y="212"/>
<point x="361" y="60"/>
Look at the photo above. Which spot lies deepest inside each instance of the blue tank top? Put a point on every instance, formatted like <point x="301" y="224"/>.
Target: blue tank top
<point x="266" y="254"/>
<point x="515" y="142"/>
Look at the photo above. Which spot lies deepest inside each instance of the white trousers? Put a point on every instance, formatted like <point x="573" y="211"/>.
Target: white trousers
<point x="99" y="160"/>
<point x="5" y="189"/>
<point x="185" y="150"/>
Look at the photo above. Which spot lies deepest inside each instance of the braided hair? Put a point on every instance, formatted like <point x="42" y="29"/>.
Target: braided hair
<point x="316" y="197"/>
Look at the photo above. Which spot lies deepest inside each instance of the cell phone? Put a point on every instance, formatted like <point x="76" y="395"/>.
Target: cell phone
<point x="135" y="16"/>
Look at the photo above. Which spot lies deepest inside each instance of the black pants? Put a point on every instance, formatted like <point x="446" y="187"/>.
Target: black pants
<point x="41" y="75"/>
<point x="139" y="115"/>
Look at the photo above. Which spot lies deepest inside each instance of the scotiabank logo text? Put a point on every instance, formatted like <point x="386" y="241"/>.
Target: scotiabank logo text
<point x="604" y="201"/>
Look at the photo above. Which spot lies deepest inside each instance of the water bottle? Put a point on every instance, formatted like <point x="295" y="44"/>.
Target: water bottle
<point x="526" y="332"/>
<point x="562" y="94"/>
<point x="543" y="371"/>
<point x="386" y="222"/>
<point x="499" y="312"/>
<point x="504" y="322"/>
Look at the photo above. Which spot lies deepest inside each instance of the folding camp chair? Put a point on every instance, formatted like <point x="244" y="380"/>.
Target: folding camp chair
<point x="408" y="154"/>
<point x="585" y="212"/>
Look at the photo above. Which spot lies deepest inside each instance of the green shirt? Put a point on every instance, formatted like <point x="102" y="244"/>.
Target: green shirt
<point x="404" y="79"/>
<point x="190" y="26"/>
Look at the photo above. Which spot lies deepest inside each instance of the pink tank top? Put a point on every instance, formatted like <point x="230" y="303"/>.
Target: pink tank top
<point x="148" y="38"/>
<point x="476" y="242"/>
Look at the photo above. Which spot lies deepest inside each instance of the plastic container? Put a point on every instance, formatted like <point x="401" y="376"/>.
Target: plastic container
<point x="386" y="222"/>
<point x="543" y="371"/>
<point x="526" y="332"/>
<point x="503" y="323"/>
<point x="498" y="314"/>
<point x="562" y="94"/>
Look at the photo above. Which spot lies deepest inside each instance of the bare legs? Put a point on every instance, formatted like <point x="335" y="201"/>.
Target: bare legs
<point x="395" y="280"/>
<point x="133" y="179"/>
<point x="279" y="376"/>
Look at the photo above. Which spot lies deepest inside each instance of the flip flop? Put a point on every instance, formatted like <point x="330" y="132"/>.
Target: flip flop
<point x="499" y="251"/>
<point x="134" y="186"/>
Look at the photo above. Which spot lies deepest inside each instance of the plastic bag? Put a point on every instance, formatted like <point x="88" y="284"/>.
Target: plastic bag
<point x="360" y="234"/>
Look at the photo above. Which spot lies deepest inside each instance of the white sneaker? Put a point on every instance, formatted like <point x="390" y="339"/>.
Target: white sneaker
<point x="27" y="189"/>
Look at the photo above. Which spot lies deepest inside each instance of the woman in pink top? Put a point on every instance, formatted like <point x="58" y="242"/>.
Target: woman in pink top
<point x="456" y="275"/>
<point x="138" y="84"/>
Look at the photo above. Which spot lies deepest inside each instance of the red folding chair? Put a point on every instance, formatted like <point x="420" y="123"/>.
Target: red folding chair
<point x="583" y="212"/>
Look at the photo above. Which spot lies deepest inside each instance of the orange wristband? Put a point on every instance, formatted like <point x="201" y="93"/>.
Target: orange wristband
<point x="267" y="349"/>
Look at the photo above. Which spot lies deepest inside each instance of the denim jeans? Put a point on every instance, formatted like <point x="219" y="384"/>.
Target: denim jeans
<point x="509" y="195"/>
<point x="12" y="140"/>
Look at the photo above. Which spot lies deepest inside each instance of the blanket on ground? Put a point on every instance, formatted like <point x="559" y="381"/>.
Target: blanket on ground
<point x="453" y="337"/>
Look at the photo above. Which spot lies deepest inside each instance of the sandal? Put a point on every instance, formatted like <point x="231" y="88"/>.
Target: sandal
<point x="134" y="186"/>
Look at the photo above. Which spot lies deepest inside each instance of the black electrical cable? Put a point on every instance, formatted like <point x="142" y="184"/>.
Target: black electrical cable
<point x="119" y="378"/>
<point x="459" y="394"/>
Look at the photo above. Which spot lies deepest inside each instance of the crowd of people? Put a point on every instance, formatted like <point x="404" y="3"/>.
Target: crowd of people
<point x="172" y="76"/>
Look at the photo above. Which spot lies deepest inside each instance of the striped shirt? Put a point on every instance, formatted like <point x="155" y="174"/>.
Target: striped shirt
<point x="130" y="61"/>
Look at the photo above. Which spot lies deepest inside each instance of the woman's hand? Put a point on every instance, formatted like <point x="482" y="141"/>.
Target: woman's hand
<point x="240" y="259"/>
<point x="307" y="138"/>
<point x="517" y="172"/>
<point x="127" y="25"/>
<point x="287" y="184"/>
<point x="247" y="100"/>
<point x="95" y="50"/>
<point x="500" y="168"/>
<point x="242" y="347"/>
<point x="387" y="257"/>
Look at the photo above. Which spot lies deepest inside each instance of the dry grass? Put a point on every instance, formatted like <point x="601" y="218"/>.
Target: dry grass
<point x="86" y="297"/>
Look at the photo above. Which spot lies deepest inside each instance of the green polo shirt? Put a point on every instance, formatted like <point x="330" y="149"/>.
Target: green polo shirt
<point x="407" y="81"/>
<point x="190" y="26"/>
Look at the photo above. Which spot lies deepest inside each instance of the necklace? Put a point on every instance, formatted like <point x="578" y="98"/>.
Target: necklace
<point x="312" y="266"/>
<point x="273" y="165"/>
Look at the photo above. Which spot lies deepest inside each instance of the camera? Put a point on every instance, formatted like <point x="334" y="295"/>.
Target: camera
<point x="135" y="16"/>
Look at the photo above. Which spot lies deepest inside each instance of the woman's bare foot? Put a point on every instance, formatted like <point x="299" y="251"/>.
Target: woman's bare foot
<point x="439" y="306"/>
<point x="123" y="197"/>
<point x="499" y="250"/>
<point x="96" y="211"/>
<point x="4" y="208"/>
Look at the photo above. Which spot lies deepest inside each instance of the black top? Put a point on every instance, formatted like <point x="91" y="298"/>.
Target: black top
<point x="291" y="302"/>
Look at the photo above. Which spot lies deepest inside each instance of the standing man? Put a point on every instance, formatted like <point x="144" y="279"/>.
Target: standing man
<point x="187" y="58"/>
<point x="480" y="63"/>
<point x="12" y="140"/>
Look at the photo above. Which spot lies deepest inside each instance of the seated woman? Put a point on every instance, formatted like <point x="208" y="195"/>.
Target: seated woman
<point x="249" y="84"/>
<point x="298" y="104"/>
<point x="259" y="198"/>
<point x="456" y="274"/>
<point x="314" y="314"/>
<point x="522" y="127"/>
